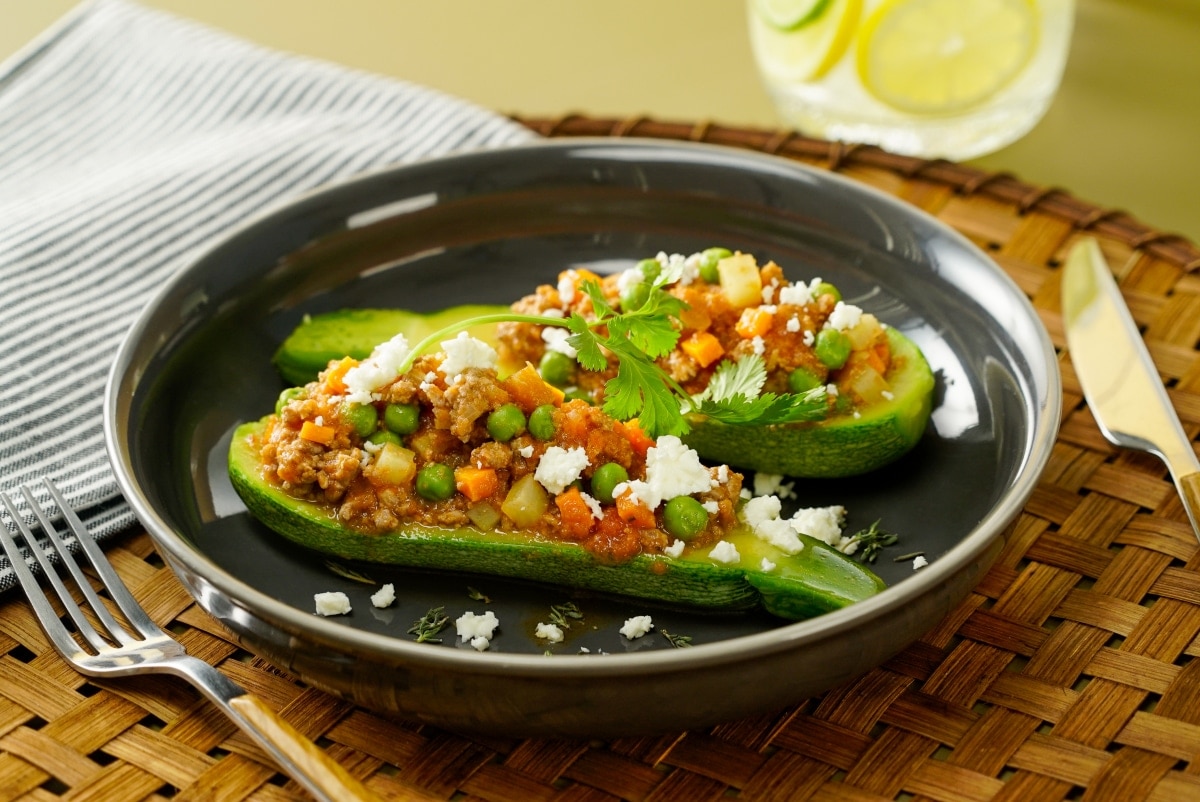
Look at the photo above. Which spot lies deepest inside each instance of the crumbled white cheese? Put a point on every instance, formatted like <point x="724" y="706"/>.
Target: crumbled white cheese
<point x="637" y="626"/>
<point x="463" y="352"/>
<point x="796" y="294"/>
<point x="761" y="514"/>
<point x="822" y="523"/>
<point x="628" y="279"/>
<point x="793" y="324"/>
<point x="376" y="371"/>
<point x="566" y="287"/>
<point x="809" y="338"/>
<point x="773" y="484"/>
<point x="555" y="338"/>
<point x="725" y="553"/>
<point x="332" y="602"/>
<point x="722" y="474"/>
<point x="593" y="504"/>
<point x="560" y="467"/>
<point x="319" y="420"/>
<point x="477" y="629"/>
<point x="384" y="596"/>
<point x="526" y="451"/>
<point x="675" y="550"/>
<point x="551" y="633"/>
<point x="766" y="566"/>
<point x="758" y="345"/>
<point x="844" y="316"/>
<point x="760" y="509"/>
<point x="831" y="390"/>
<point x="672" y="469"/>
<point x="919" y="562"/>
<point x="888" y="394"/>
<point x="768" y="292"/>
<point x="711" y="507"/>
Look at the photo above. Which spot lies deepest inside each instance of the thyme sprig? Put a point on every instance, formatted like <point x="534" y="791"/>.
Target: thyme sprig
<point x="560" y="613"/>
<point x="677" y="641"/>
<point x="871" y="540"/>
<point x="429" y="625"/>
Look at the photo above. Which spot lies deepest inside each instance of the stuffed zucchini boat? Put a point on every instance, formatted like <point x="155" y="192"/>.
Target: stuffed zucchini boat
<point x="436" y="461"/>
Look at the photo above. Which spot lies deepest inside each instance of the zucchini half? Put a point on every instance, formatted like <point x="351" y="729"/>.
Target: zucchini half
<point x="816" y="580"/>
<point x="838" y="446"/>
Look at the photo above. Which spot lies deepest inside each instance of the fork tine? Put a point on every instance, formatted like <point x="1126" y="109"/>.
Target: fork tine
<point x="133" y="611"/>
<point x="69" y="561"/>
<point x="42" y="608"/>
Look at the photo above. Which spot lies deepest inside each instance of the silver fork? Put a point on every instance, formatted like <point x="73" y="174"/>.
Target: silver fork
<point x="114" y="651"/>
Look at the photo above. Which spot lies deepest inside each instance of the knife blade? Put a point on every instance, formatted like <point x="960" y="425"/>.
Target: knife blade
<point x="1119" y="380"/>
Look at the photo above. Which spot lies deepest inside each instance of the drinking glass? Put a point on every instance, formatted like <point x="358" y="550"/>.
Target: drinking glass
<point x="948" y="78"/>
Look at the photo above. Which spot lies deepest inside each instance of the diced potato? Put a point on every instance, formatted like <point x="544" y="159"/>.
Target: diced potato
<point x="526" y="502"/>
<point x="484" y="515"/>
<point x="865" y="332"/>
<point x="740" y="280"/>
<point x="394" y="465"/>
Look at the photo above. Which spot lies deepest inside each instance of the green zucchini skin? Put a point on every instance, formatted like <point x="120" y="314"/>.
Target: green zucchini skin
<point x="355" y="332"/>
<point x="839" y="446"/>
<point x="816" y="580"/>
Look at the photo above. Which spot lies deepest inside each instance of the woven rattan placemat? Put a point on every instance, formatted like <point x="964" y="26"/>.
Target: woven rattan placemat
<point x="1067" y="674"/>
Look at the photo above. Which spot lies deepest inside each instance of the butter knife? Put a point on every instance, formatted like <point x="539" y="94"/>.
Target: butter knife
<point x="1119" y="380"/>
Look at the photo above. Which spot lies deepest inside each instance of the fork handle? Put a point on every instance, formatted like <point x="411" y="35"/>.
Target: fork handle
<point x="299" y="757"/>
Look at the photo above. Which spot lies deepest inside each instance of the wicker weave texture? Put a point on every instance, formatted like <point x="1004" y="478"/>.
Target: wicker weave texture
<point x="1067" y="674"/>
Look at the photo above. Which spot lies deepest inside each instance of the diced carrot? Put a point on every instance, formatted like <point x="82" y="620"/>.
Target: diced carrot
<point x="754" y="322"/>
<point x="335" y="375"/>
<point x="577" y="276"/>
<point x="577" y="516"/>
<point x="635" y="512"/>
<point x="703" y="347"/>
<point x="695" y="317"/>
<point x="640" y="441"/>
<point x="879" y="356"/>
<point x="529" y="390"/>
<point x="316" y="432"/>
<point x="476" y="483"/>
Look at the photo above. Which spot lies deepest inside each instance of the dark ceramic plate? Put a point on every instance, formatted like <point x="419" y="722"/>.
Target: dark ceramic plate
<point x="486" y="228"/>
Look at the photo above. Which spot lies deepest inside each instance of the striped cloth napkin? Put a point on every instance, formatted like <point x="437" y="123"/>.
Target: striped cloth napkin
<point x="129" y="140"/>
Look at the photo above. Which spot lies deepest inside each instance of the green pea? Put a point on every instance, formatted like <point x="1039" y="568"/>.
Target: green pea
<point x="634" y="296"/>
<point x="435" y="482"/>
<point x="708" y="263"/>
<point x="650" y="268"/>
<point x="288" y="395"/>
<point x="684" y="517"/>
<point x="401" y="418"/>
<point x="363" y="418"/>
<point x="557" y="368"/>
<point x="606" y="477"/>
<point x="506" y="422"/>
<point x="383" y="437"/>
<point x="832" y="348"/>
<point x="825" y="288"/>
<point x="541" y="422"/>
<point x="801" y="380"/>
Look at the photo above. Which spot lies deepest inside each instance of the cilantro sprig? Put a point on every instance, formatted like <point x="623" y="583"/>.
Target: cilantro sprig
<point x="641" y="388"/>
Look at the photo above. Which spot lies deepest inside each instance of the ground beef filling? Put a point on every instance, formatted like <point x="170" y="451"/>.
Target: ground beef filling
<point x="786" y="345"/>
<point x="452" y="431"/>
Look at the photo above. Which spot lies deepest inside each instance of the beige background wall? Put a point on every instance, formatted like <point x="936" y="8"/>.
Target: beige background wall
<point x="1124" y="131"/>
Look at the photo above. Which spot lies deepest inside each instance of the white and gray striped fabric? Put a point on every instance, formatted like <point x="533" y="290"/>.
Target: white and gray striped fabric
<point x="129" y="139"/>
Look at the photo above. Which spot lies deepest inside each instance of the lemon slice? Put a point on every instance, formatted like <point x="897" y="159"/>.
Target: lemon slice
<point x="788" y="14"/>
<point x="807" y="52"/>
<point x="936" y="56"/>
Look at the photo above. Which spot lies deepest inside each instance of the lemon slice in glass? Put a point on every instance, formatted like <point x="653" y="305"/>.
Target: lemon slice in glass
<point x="938" y="56"/>
<point x="806" y="52"/>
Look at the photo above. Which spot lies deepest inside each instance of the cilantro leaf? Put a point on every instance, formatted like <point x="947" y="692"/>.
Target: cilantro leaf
<point x="639" y="391"/>
<point x="586" y="343"/>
